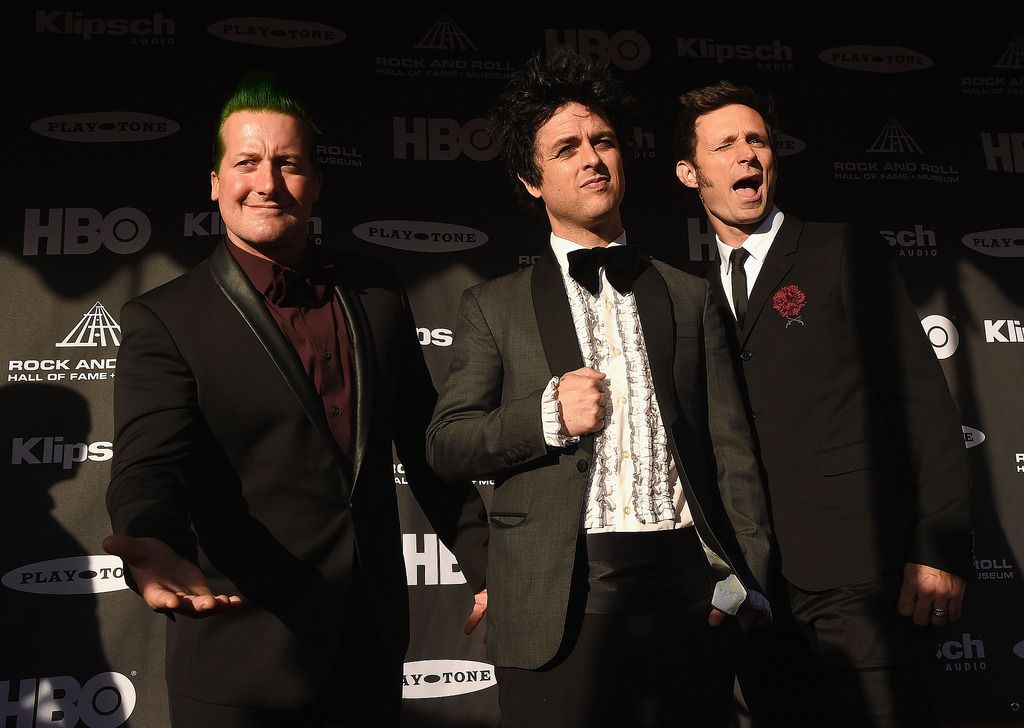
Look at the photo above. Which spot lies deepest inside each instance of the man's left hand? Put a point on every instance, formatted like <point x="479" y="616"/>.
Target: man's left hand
<point x="927" y="590"/>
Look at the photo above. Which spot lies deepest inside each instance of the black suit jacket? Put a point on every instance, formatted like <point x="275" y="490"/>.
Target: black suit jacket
<point x="222" y="450"/>
<point x="859" y="437"/>
<point x="513" y="334"/>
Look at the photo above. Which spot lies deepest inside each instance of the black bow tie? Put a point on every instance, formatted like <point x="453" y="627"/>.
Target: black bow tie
<point x="621" y="263"/>
<point x="307" y="288"/>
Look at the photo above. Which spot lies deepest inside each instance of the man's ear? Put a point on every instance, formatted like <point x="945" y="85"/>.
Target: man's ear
<point x="687" y="173"/>
<point x="534" y="191"/>
<point x="214" y="185"/>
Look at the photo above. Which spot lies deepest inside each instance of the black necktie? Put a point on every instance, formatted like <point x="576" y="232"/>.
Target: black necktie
<point x="739" y="282"/>
<point x="621" y="263"/>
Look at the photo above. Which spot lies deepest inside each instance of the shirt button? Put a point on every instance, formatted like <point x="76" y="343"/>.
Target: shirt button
<point x="616" y="351"/>
<point x="626" y="456"/>
<point x="327" y="356"/>
<point x="622" y="400"/>
<point x="335" y="410"/>
<point x="627" y="511"/>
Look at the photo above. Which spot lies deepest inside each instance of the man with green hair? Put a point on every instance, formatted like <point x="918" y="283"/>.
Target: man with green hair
<point x="257" y="399"/>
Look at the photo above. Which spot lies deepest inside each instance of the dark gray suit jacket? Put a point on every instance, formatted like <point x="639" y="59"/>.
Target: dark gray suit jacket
<point x="513" y="334"/>
<point x="860" y="439"/>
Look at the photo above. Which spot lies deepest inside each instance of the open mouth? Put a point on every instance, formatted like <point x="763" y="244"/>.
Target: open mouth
<point x="748" y="188"/>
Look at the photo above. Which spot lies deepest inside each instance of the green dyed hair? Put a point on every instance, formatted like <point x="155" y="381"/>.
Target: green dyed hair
<point x="262" y="91"/>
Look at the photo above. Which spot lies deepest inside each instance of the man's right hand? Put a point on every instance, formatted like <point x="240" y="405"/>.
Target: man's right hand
<point x="166" y="580"/>
<point x="582" y="398"/>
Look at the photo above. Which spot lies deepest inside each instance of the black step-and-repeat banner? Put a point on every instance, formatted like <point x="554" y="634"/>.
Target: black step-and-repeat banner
<point x="909" y="121"/>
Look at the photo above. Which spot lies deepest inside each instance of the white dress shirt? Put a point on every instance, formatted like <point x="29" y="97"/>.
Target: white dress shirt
<point x="757" y="244"/>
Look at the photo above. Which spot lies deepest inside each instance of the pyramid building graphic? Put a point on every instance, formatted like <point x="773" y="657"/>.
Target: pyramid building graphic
<point x="95" y="328"/>
<point x="894" y="138"/>
<point x="1013" y="56"/>
<point x="445" y="35"/>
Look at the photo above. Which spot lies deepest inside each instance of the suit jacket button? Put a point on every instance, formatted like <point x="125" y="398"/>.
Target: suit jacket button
<point x="745" y="355"/>
<point x="582" y="465"/>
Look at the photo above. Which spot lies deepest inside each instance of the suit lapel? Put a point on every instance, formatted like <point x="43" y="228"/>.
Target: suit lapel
<point x="554" y="321"/>
<point x="779" y="260"/>
<point x="654" y="307"/>
<point x="235" y="286"/>
<point x="362" y="343"/>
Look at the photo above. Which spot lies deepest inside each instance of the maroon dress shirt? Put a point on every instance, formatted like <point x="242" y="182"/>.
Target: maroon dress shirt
<point x="304" y="304"/>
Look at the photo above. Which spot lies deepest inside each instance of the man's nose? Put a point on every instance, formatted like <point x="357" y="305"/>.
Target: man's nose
<point x="267" y="179"/>
<point x="589" y="156"/>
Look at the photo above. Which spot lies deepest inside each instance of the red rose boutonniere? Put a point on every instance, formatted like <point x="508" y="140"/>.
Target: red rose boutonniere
<point x="789" y="301"/>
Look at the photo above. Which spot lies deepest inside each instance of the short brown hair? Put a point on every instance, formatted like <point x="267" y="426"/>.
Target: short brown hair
<point x="704" y="100"/>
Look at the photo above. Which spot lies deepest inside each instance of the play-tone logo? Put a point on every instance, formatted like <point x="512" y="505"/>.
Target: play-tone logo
<point x="73" y="575"/>
<point x="999" y="242"/>
<point x="420" y="236"/>
<point x="275" y="32"/>
<point x="972" y="437"/>
<point x="878" y="59"/>
<point x="942" y="334"/>
<point x="442" y="678"/>
<point x="104" y="701"/>
<point x="105" y="126"/>
<point x="786" y="145"/>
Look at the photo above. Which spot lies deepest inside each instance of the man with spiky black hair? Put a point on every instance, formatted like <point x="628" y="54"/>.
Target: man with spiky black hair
<point x="627" y="523"/>
<point x="256" y="402"/>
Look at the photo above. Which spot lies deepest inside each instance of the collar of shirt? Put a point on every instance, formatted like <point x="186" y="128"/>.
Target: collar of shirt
<point x="262" y="273"/>
<point x="562" y="247"/>
<point x="757" y="244"/>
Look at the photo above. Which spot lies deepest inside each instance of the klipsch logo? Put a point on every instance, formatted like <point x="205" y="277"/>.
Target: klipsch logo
<point x="879" y="59"/>
<point x="211" y="223"/>
<point x="999" y="243"/>
<point x="942" y="334"/>
<point x="1004" y="331"/>
<point x="154" y="30"/>
<point x="963" y="655"/>
<point x="626" y="49"/>
<point x="420" y="236"/>
<point x="433" y="560"/>
<point x="54" y="451"/>
<point x="104" y="701"/>
<point x="275" y="32"/>
<point x="105" y="126"/>
<point x="72" y="575"/>
<point x="918" y="242"/>
<point x="773" y="56"/>
<point x="441" y="678"/>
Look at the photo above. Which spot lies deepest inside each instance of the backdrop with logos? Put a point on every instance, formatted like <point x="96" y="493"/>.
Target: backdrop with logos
<point x="906" y="121"/>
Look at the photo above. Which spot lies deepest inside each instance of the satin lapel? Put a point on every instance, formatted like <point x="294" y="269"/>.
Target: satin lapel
<point x="362" y="345"/>
<point x="654" y="307"/>
<point x="554" y="321"/>
<point x="776" y="265"/>
<point x="236" y="287"/>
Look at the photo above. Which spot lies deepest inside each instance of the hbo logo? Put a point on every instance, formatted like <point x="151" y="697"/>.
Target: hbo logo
<point x="83" y="230"/>
<point x="105" y="701"/>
